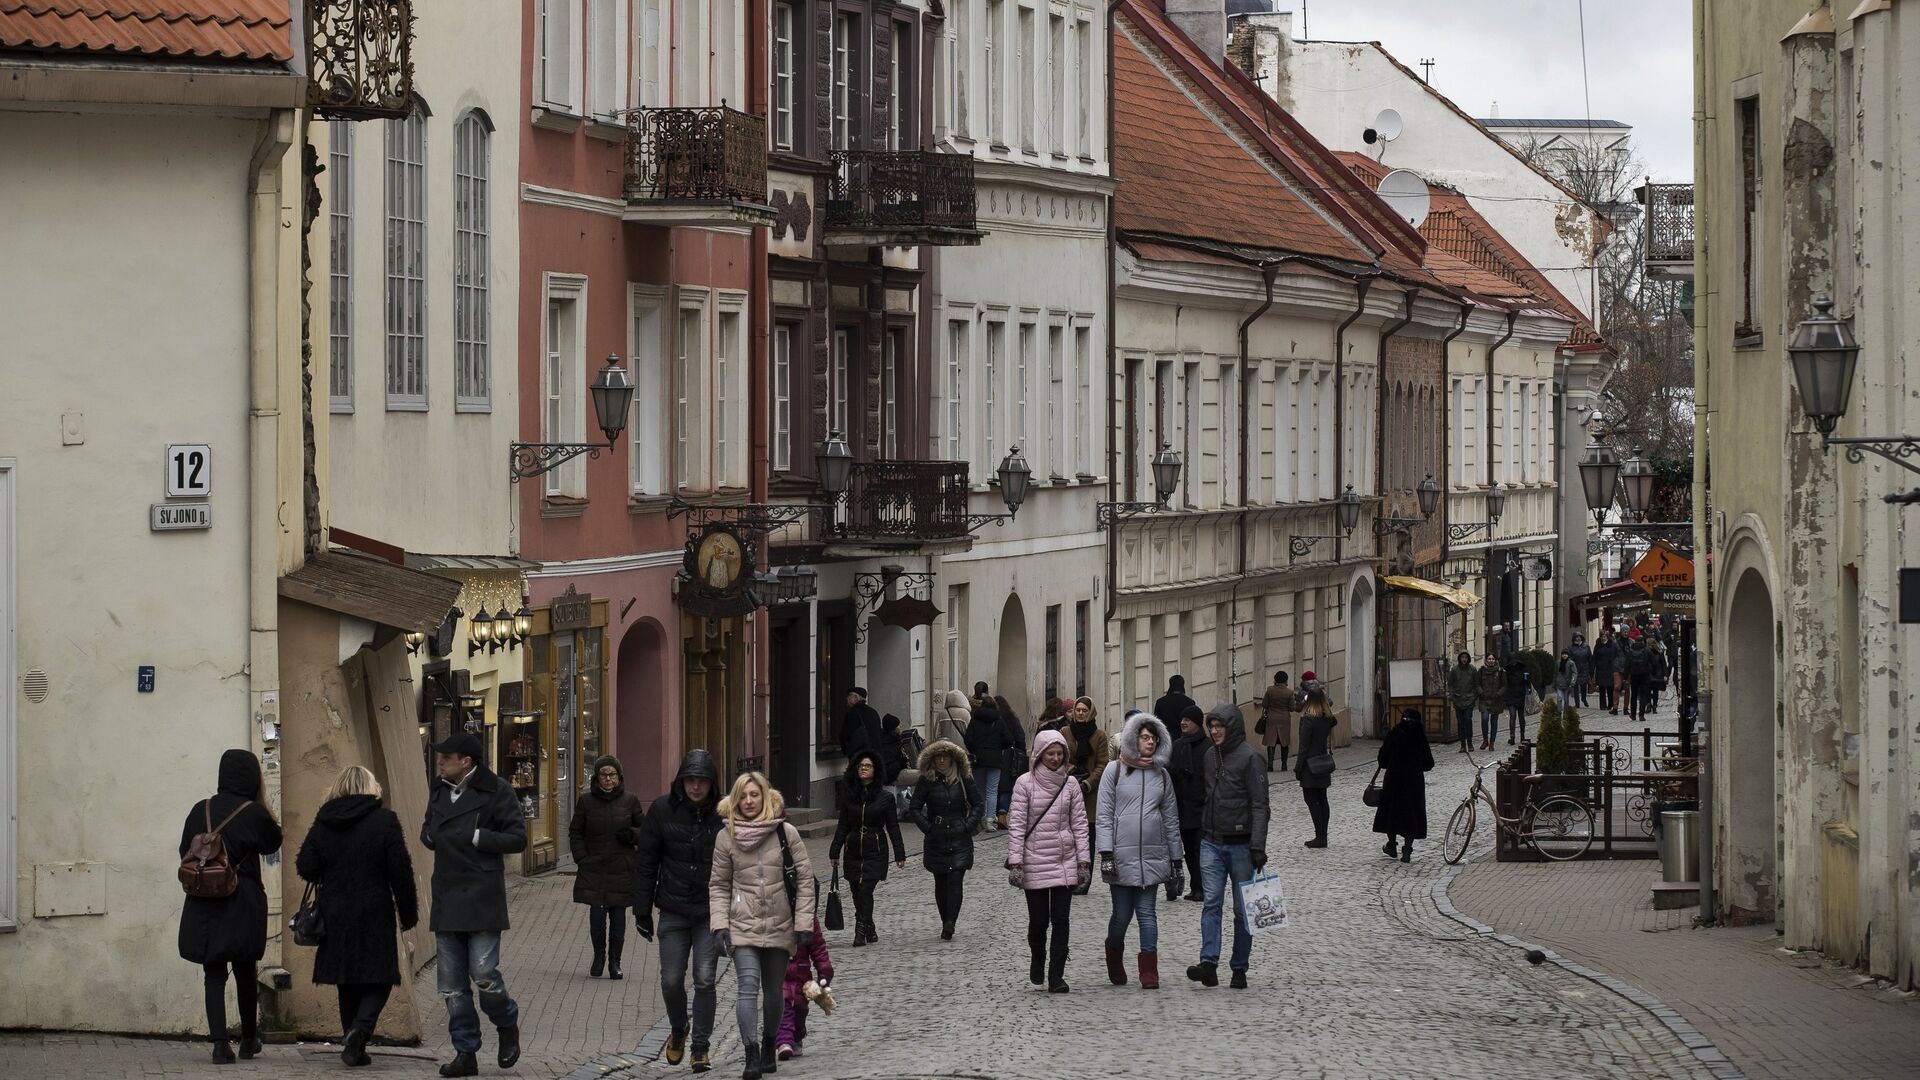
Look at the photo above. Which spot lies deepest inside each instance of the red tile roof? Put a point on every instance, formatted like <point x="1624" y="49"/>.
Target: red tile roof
<point x="242" y="30"/>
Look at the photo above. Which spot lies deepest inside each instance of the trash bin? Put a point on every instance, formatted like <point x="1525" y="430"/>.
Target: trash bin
<point x="1680" y="845"/>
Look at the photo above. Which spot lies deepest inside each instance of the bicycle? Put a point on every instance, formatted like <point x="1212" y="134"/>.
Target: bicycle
<point x="1559" y="827"/>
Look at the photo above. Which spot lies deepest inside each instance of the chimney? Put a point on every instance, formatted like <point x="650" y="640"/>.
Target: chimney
<point x="1205" y="21"/>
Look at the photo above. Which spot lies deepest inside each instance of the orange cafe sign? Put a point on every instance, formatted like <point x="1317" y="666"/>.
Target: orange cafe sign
<point x="1662" y="568"/>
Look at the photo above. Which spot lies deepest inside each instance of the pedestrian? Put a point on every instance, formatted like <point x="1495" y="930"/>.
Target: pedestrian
<point x="1463" y="693"/>
<point x="1048" y="855"/>
<point x="1406" y="759"/>
<point x="1013" y="759"/>
<point x="986" y="740"/>
<point x="760" y="905"/>
<point x="1234" y="844"/>
<point x="1088" y="751"/>
<point x="1639" y="671"/>
<point x="1309" y="682"/>
<point x="356" y="855"/>
<point x="1190" y="785"/>
<point x="1054" y="716"/>
<point x="229" y="933"/>
<point x="671" y="871"/>
<point x="1503" y="643"/>
<point x="869" y="817"/>
<point x="1566" y="675"/>
<point x="1519" y="689"/>
<point x="1492" y="699"/>
<point x="981" y="692"/>
<point x="1604" y="653"/>
<point x="1622" y="683"/>
<point x="1137" y="834"/>
<point x="959" y="713"/>
<point x="1172" y="703"/>
<point x="947" y="806"/>
<point x="602" y="838"/>
<point x="893" y="750"/>
<point x="1583" y="668"/>
<point x="1276" y="720"/>
<point x="806" y="966"/>
<point x="1316" y="737"/>
<point x="860" y="726"/>
<point x="473" y="820"/>
<point x="1657" y="677"/>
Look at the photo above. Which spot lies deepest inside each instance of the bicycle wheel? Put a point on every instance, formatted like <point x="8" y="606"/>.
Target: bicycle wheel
<point x="1459" y="833"/>
<point x="1560" y="828"/>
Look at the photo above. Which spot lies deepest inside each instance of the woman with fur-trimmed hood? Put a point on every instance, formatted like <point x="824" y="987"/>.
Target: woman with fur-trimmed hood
<point x="1137" y="833"/>
<point x="1047" y="854"/>
<point x="946" y="804"/>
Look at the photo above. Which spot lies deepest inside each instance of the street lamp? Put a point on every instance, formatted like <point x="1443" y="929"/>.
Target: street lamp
<point x="1166" y="466"/>
<point x="503" y="635"/>
<point x="1636" y="483"/>
<point x="612" y="396"/>
<point x="479" y="632"/>
<point x="1599" y="474"/>
<point x="1014" y="476"/>
<point x="522" y="624"/>
<point x="1428" y="494"/>
<point x="1346" y="514"/>
<point x="834" y="464"/>
<point x="1823" y="352"/>
<point x="1496" y="505"/>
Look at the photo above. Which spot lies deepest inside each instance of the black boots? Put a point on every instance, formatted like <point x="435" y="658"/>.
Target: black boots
<point x="249" y="1045"/>
<point x="355" y="1052"/>
<point x="946" y="930"/>
<point x="1205" y="974"/>
<point x="599" y="966"/>
<point x="1116" y="965"/>
<point x="614" y="949"/>
<point x="1389" y="849"/>
<point x="1284" y="752"/>
<point x="462" y="1064"/>
<point x="222" y="1052"/>
<point x="752" y="1071"/>
<point x="1239" y="981"/>
<point x="1057" y="973"/>
<point x="1037" y="969"/>
<point x="1316" y="842"/>
<point x="509" y="1046"/>
<point x="872" y="937"/>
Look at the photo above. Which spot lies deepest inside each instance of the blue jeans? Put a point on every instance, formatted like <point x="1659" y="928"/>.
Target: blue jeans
<point x="682" y="939"/>
<point x="1220" y="863"/>
<point x="1464" y="714"/>
<point x="1128" y="902"/>
<point x="989" y="791"/>
<point x="472" y="956"/>
<point x="1517" y="722"/>
<point x="1489" y="724"/>
<point x="761" y="976"/>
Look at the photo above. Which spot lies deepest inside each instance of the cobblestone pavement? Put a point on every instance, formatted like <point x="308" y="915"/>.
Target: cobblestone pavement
<point x="1372" y="980"/>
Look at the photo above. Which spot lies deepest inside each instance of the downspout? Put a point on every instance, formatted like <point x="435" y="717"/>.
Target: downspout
<point x="1340" y="395"/>
<point x="1114" y="381"/>
<point x="1487" y="567"/>
<point x="1446" y="437"/>
<point x="760" y="398"/>
<point x="1267" y="273"/>
<point x="1380" y="395"/>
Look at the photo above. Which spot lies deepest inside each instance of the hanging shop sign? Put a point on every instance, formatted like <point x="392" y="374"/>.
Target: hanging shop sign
<point x="571" y="610"/>
<point x="718" y="568"/>
<point x="1662" y="568"/>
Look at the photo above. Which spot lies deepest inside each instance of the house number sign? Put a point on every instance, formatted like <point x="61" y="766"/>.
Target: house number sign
<point x="189" y="471"/>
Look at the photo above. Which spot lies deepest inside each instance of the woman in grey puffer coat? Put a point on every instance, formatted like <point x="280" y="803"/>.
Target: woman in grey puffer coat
<point x="1137" y="832"/>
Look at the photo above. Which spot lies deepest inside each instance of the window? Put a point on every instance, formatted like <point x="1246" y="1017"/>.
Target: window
<point x="1190" y="432"/>
<point x="690" y="49"/>
<point x="562" y="390"/>
<point x="724" y="54"/>
<point x="1083" y="378"/>
<point x="845" y="40"/>
<point x="340" y="265"/>
<point x="842" y="376"/>
<point x="1323" y="455"/>
<point x="1749" y="324"/>
<point x="603" y="59"/>
<point x="1162" y="414"/>
<point x="996" y="344"/>
<point x="1023" y="388"/>
<point x="1023" y="50"/>
<point x="956" y="636"/>
<point x="1056" y="84"/>
<point x="895" y="349"/>
<point x="651" y="390"/>
<point x="1085" y="69"/>
<point x="1135" y="433"/>
<point x="959" y="343"/>
<point x="996" y="92"/>
<point x="783" y="335"/>
<point x="730" y="402"/>
<point x="407" y="262"/>
<point x="783" y="76"/>
<point x="1057" y="439"/>
<point x="1081" y="612"/>
<point x="689" y="364"/>
<point x="1053" y="651"/>
<point x="959" y="59"/>
<point x="1229" y="433"/>
<point x="473" y="372"/>
<point x="556" y="54"/>
<point x="9" y="734"/>
<point x="646" y="55"/>
<point x="896" y="65"/>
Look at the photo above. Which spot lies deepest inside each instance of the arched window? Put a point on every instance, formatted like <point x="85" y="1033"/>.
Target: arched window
<point x="406" y="214"/>
<point x="473" y="373"/>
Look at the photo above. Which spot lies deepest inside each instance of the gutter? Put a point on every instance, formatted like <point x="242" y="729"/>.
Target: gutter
<point x="1114" y="380"/>
<point x="1446" y="441"/>
<point x="1363" y="285"/>
<point x="1513" y="316"/>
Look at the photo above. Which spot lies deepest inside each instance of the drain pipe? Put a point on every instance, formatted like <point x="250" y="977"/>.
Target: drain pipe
<point x="1487" y="567"/>
<point x="1114" y="375"/>
<point x="1268" y="271"/>
<point x="1362" y="285"/>
<point x="1446" y="443"/>
<point x="1380" y="394"/>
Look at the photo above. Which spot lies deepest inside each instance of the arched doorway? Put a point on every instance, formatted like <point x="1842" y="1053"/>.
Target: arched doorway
<point x="1010" y="673"/>
<point x="641" y="736"/>
<point x="1360" y="657"/>
<point x="1752" y="807"/>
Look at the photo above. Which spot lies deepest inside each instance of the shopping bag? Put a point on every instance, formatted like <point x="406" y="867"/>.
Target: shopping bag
<point x="1264" y="901"/>
<point x="836" y="919"/>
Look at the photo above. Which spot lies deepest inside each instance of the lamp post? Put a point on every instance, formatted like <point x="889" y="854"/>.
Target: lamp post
<point x="1346" y="514"/>
<point x="1599" y="475"/>
<point x="1824" y="354"/>
<point x="612" y="396"/>
<point x="1427" y="495"/>
<point x="479" y="632"/>
<point x="1496" y="505"/>
<point x="1166" y="467"/>
<point x="1635" y="478"/>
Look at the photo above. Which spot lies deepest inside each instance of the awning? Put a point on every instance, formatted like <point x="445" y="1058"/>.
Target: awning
<point x="372" y="589"/>
<point x="1587" y="607"/>
<point x="1459" y="598"/>
<point x="419" y="561"/>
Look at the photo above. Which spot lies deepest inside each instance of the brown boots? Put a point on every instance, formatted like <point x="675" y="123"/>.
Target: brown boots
<point x="1116" y="965"/>
<point x="1149" y="971"/>
<point x="1000" y="821"/>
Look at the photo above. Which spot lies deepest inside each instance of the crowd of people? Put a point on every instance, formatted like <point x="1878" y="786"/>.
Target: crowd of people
<point x="704" y="875"/>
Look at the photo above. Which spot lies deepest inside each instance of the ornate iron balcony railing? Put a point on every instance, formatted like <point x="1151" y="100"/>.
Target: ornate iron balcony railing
<point x="711" y="154"/>
<point x="360" y="59"/>
<point x="901" y="189"/>
<point x="907" y="500"/>
<point x="1669" y="223"/>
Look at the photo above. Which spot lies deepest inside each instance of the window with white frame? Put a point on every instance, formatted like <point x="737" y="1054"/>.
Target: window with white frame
<point x="562" y="385"/>
<point x="959" y="60"/>
<point x="990" y="415"/>
<point x="728" y="46"/>
<point x="1190" y="433"/>
<point x="689" y="86"/>
<point x="652" y="386"/>
<point x="604" y="57"/>
<point x="896" y="66"/>
<point x="842" y="380"/>
<point x="996" y="87"/>
<point x="954" y="389"/>
<point x="647" y="69"/>
<point x="783" y="76"/>
<point x="893" y="355"/>
<point x="1080" y="412"/>
<point x="730" y="394"/>
<point x="1084" y="68"/>
<point x="846" y="40"/>
<point x="1023" y="387"/>
<point x="689" y="397"/>
<point x="956" y="637"/>
<point x="340" y="265"/>
<point x="472" y="313"/>
<point x="1229" y="433"/>
<point x="782" y="363"/>
<point x="1324" y="453"/>
<point x="1057" y="438"/>
<point x="1056" y="111"/>
<point x="1024" y="48"/>
<point x="406" y="197"/>
<point x="555" y="76"/>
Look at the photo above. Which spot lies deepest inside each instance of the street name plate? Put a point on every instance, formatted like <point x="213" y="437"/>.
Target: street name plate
<point x="164" y="517"/>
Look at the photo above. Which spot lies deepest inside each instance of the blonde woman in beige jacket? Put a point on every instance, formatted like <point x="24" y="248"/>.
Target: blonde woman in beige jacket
<point x="759" y="912"/>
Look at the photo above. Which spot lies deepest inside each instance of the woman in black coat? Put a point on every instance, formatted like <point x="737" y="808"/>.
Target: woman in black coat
<point x="1406" y="758"/>
<point x="946" y="805"/>
<point x="605" y="830"/>
<point x="357" y="856"/>
<point x="869" y="817"/>
<point x="230" y="932"/>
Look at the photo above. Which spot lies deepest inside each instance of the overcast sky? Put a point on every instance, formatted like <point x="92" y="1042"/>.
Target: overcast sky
<point x="1525" y="54"/>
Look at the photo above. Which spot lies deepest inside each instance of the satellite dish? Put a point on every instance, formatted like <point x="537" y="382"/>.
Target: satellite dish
<point x="1406" y="193"/>
<point x="1388" y="125"/>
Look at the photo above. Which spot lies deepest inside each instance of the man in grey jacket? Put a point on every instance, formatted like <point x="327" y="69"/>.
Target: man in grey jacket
<point x="1233" y="840"/>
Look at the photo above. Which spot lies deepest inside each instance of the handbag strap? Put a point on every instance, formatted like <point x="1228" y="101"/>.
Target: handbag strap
<point x="225" y="821"/>
<point x="789" y="876"/>
<point x="1035" y="823"/>
<point x="1376" y="775"/>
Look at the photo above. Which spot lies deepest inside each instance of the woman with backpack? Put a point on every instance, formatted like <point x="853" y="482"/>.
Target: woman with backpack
<point x="1138" y="837"/>
<point x="1048" y="855"/>
<point x="760" y="904"/>
<point x="869" y="818"/>
<point x="356" y="856"/>
<point x="947" y="806"/>
<point x="224" y="924"/>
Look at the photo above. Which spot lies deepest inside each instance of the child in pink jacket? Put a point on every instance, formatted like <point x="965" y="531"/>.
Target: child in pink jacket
<point x="805" y="962"/>
<point x="1048" y="854"/>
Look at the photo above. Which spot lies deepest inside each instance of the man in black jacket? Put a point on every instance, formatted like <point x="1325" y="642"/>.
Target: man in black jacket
<point x="472" y="820"/>
<point x="1188" y="766"/>
<point x="1175" y="701"/>
<point x="860" y="727"/>
<point x="670" y="873"/>
<point x="1233" y="839"/>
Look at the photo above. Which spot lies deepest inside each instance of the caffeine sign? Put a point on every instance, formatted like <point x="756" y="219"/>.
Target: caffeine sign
<point x="1662" y="568"/>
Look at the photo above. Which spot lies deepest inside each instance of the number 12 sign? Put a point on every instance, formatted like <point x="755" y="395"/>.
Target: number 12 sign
<point x="189" y="470"/>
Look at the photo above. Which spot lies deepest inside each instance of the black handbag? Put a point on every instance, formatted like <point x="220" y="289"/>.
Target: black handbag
<point x="1320" y="764"/>
<point x="836" y="919"/>
<point x="307" y="925"/>
<point x="1374" y="793"/>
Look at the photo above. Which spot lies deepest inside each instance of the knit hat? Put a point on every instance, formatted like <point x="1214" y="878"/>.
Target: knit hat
<point x="1308" y="676"/>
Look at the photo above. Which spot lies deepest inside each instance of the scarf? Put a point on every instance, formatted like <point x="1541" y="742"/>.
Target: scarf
<point x="747" y="835"/>
<point x="1083" y="735"/>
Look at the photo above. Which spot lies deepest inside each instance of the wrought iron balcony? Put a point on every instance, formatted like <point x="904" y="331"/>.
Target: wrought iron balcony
<point x="901" y="198"/>
<point x="1669" y="229"/>
<point x="697" y="167"/>
<point x="905" y="502"/>
<point x="360" y="56"/>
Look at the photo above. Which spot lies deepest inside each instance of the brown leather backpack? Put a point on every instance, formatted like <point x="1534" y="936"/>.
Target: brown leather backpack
<point x="205" y="870"/>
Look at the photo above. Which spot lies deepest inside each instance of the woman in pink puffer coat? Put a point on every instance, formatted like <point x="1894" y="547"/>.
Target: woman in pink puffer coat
<point x="1047" y="854"/>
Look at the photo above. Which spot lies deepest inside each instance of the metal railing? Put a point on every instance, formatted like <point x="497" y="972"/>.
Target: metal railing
<point x="360" y="58"/>
<point x="1669" y="223"/>
<point x="906" y="500"/>
<point x="901" y="189"/>
<point x="708" y="154"/>
<point x="1625" y="802"/>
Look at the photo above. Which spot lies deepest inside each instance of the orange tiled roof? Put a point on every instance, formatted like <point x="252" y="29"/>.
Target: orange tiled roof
<point x="242" y="30"/>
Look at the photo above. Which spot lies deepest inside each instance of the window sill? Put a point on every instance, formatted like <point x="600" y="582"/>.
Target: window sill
<point x="999" y="148"/>
<point x="562" y="506"/>
<point x="1059" y="156"/>
<point x="1086" y="478"/>
<point x="406" y="406"/>
<point x="8" y="926"/>
<point x="648" y="504"/>
<point x="340" y="408"/>
<point x="482" y="407"/>
<point x="1748" y="342"/>
<point x="556" y="120"/>
<point x="1088" y="159"/>
<point x="1061" y="481"/>
<point x="606" y="129"/>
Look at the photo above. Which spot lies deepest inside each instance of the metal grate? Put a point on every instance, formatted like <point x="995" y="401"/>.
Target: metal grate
<point x="34" y="685"/>
<point x="361" y="56"/>
<point x="923" y="500"/>
<point x="1669" y="223"/>
<point x="882" y="189"/>
<point x="697" y="154"/>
